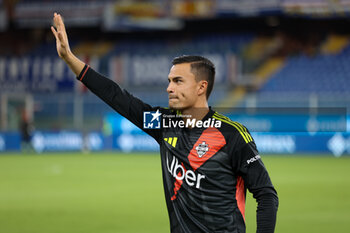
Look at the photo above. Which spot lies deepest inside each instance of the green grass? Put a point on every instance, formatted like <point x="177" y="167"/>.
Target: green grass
<point x="113" y="192"/>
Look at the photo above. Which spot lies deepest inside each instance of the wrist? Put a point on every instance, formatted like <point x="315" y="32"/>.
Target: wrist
<point x="68" y="58"/>
<point x="74" y="63"/>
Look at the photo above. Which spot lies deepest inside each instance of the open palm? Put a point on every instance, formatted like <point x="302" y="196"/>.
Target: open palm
<point x="61" y="36"/>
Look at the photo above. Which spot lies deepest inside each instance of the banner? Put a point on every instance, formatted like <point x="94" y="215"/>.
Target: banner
<point x="60" y="141"/>
<point x="247" y="7"/>
<point x="290" y="143"/>
<point x="337" y="144"/>
<point x="36" y="14"/>
<point x="127" y="137"/>
<point x="67" y="141"/>
<point x="35" y="74"/>
<point x="135" y="142"/>
<point x="314" y="9"/>
<point x="310" y="120"/>
<point x="10" y="141"/>
<point x="149" y="70"/>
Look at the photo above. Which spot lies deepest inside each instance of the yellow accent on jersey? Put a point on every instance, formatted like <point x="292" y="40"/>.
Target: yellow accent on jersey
<point x="172" y="141"/>
<point x="241" y="129"/>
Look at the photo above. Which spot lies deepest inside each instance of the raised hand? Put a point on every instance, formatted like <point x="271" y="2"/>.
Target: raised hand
<point x="60" y="34"/>
<point x="63" y="49"/>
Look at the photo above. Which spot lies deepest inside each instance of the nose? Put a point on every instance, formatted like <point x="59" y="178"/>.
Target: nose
<point x="170" y="88"/>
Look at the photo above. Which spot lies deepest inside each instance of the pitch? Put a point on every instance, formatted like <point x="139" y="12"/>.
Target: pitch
<point x="116" y="192"/>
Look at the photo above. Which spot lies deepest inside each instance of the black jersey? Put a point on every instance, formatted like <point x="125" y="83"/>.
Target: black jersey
<point x="206" y="170"/>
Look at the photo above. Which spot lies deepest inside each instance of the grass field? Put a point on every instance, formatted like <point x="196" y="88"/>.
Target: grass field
<point x="102" y="193"/>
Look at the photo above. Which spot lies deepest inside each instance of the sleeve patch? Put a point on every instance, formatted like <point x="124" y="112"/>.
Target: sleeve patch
<point x="252" y="160"/>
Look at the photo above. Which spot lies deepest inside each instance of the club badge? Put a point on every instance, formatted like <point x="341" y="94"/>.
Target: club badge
<point x="202" y="149"/>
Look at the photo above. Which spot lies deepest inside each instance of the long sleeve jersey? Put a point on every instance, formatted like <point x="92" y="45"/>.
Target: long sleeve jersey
<point x="206" y="170"/>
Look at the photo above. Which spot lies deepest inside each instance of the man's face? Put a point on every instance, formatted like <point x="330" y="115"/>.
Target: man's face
<point x="183" y="87"/>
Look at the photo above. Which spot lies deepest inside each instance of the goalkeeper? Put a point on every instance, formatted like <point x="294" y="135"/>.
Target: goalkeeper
<point x="206" y="169"/>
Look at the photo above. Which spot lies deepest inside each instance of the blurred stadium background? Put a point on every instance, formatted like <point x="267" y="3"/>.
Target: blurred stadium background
<point x="282" y="70"/>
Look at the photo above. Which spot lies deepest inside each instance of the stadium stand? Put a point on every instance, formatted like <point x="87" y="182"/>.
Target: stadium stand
<point x="269" y="69"/>
<point x="299" y="77"/>
<point x="324" y="76"/>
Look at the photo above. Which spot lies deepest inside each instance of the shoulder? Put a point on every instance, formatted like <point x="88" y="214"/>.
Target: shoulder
<point x="234" y="131"/>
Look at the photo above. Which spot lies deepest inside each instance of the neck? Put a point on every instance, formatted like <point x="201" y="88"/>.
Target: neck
<point x="197" y="113"/>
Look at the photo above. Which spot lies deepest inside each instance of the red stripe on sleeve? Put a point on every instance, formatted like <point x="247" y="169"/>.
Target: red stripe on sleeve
<point x="84" y="72"/>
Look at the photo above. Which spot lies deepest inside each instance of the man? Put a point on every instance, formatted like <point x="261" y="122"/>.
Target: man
<point x="26" y="129"/>
<point x="208" y="161"/>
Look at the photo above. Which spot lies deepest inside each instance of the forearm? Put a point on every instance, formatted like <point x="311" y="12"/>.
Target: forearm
<point x="74" y="63"/>
<point x="266" y="212"/>
<point x="111" y="93"/>
<point x="258" y="182"/>
<point x="107" y="90"/>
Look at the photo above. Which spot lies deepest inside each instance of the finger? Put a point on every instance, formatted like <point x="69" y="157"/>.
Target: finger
<point x="57" y="22"/>
<point x="60" y="21"/>
<point x="55" y="19"/>
<point x="54" y="32"/>
<point x="60" y="37"/>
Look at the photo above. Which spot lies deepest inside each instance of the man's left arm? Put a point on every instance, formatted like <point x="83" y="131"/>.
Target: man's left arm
<point x="258" y="182"/>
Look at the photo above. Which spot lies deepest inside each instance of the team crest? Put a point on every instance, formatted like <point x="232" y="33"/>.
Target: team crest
<point x="202" y="149"/>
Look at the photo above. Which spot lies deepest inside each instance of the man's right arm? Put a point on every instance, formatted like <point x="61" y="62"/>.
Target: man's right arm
<point x="119" y="99"/>
<point x="109" y="91"/>
<point x="62" y="45"/>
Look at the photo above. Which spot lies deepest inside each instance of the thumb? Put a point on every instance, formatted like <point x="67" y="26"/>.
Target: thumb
<point x="54" y="32"/>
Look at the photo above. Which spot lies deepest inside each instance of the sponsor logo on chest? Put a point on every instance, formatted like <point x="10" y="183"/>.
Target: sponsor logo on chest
<point x="178" y="171"/>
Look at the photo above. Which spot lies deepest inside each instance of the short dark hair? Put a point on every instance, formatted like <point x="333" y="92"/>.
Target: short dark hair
<point x="201" y="67"/>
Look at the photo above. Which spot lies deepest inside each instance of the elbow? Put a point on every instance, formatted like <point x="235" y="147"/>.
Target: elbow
<point x="267" y="197"/>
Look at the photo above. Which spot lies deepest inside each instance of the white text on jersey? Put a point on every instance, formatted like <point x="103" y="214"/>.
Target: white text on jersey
<point x="179" y="173"/>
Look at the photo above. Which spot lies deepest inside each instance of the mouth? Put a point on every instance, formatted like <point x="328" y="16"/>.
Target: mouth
<point x="173" y="98"/>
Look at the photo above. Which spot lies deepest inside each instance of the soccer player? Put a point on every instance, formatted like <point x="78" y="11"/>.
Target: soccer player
<point x="206" y="167"/>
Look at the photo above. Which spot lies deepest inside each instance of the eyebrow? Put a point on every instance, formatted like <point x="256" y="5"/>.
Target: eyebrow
<point x="176" y="77"/>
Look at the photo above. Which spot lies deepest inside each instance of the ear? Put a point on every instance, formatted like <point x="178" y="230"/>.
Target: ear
<point x="202" y="87"/>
